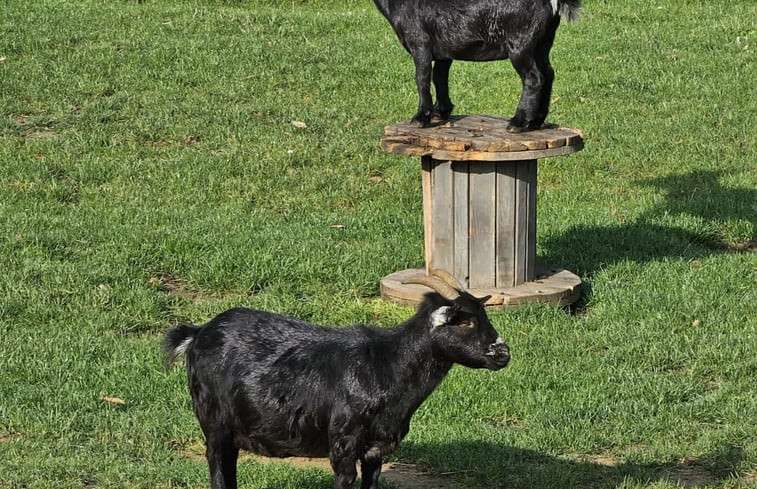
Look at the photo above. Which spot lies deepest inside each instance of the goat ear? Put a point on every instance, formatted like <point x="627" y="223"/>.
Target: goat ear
<point x="442" y="315"/>
<point x="484" y="299"/>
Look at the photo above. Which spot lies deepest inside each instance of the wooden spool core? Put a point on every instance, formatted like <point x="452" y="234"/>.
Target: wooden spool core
<point x="479" y="205"/>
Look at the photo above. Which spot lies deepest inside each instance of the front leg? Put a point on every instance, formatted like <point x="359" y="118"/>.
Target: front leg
<point x="370" y="468"/>
<point x="343" y="462"/>
<point x="444" y="105"/>
<point x="346" y="436"/>
<point x="345" y="473"/>
<point x="422" y="61"/>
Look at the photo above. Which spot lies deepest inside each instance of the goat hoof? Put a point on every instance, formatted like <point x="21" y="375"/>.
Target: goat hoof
<point x="442" y="113"/>
<point x="518" y="128"/>
<point x="418" y="122"/>
<point x="442" y="116"/>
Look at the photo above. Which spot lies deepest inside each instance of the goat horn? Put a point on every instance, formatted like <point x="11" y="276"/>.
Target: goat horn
<point x="447" y="278"/>
<point x="446" y="290"/>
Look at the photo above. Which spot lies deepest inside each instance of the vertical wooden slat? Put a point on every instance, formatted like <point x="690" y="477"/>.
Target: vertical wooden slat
<point x="482" y="225"/>
<point x="531" y="250"/>
<point x="506" y="198"/>
<point x="461" y="231"/>
<point x="525" y="221"/>
<point x="521" y="215"/>
<point x="442" y="202"/>
<point x="426" y="167"/>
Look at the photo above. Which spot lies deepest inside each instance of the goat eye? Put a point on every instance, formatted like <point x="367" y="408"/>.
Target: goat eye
<point x="467" y="324"/>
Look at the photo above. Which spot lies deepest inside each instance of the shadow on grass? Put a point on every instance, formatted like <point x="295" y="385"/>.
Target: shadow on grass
<point x="515" y="468"/>
<point x="698" y="195"/>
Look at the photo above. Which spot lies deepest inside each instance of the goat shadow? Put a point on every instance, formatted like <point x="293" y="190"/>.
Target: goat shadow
<point x="515" y="468"/>
<point x="699" y="194"/>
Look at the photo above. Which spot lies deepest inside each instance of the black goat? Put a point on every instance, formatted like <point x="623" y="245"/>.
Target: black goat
<point x="280" y="387"/>
<point x="480" y="30"/>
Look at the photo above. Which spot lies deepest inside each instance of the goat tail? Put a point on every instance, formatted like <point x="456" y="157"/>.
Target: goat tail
<point x="568" y="9"/>
<point x="177" y="341"/>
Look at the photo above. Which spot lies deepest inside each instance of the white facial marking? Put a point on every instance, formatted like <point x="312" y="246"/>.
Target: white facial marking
<point x="499" y="341"/>
<point x="440" y="316"/>
<point x="554" y="7"/>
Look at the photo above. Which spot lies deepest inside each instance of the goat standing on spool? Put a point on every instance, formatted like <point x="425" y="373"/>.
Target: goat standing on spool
<point x="480" y="30"/>
<point x="280" y="387"/>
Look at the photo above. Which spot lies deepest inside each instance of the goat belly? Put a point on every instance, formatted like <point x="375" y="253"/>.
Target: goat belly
<point x="282" y="449"/>
<point x="474" y="51"/>
<point x="285" y="435"/>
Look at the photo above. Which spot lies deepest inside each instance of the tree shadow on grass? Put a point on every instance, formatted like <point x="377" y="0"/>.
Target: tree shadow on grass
<point x="515" y="468"/>
<point x="698" y="195"/>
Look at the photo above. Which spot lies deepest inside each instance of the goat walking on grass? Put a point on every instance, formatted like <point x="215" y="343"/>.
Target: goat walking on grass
<point x="440" y="31"/>
<point x="281" y="387"/>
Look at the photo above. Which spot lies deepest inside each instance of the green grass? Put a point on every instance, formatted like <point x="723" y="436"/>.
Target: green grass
<point x="150" y="173"/>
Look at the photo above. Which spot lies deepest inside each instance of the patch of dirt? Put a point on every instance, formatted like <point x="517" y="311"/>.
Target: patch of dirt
<point x="172" y="284"/>
<point x="747" y="247"/>
<point x="404" y="476"/>
<point x="408" y="476"/>
<point x="689" y="475"/>
<point x="4" y="437"/>
<point x="603" y="460"/>
<point x="43" y="133"/>
<point x="175" y="285"/>
<point x="20" y="119"/>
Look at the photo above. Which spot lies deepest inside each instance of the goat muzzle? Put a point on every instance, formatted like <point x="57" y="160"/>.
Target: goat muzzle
<point x="498" y="354"/>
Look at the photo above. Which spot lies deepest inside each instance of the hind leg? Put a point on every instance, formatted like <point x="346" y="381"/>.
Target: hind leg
<point x="222" y="461"/>
<point x="537" y="76"/>
<point x="443" y="107"/>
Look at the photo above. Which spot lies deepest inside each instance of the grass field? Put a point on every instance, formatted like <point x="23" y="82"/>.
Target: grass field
<point x="150" y="173"/>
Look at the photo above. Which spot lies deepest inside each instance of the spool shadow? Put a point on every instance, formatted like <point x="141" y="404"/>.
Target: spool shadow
<point x="698" y="194"/>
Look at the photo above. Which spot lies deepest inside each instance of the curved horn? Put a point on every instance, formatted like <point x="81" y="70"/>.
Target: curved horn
<point x="447" y="278"/>
<point x="446" y="290"/>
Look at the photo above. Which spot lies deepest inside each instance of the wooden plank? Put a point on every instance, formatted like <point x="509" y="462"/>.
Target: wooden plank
<point x="426" y="166"/>
<point x="461" y="229"/>
<point x="482" y="225"/>
<point x="505" y="202"/>
<point x="404" y="149"/>
<point x="472" y="155"/>
<point x="442" y="204"/>
<point x="532" y="192"/>
<point x="525" y="221"/>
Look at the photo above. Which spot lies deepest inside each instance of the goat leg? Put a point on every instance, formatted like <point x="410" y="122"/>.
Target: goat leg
<point x="422" y="61"/>
<point x="534" y="100"/>
<point x="222" y="459"/>
<point x="537" y="75"/>
<point x="344" y="469"/>
<point x="370" y="468"/>
<point x="345" y="437"/>
<point x="443" y="107"/>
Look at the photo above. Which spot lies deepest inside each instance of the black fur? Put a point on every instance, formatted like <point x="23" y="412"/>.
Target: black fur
<point x="281" y="387"/>
<point x="440" y="31"/>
